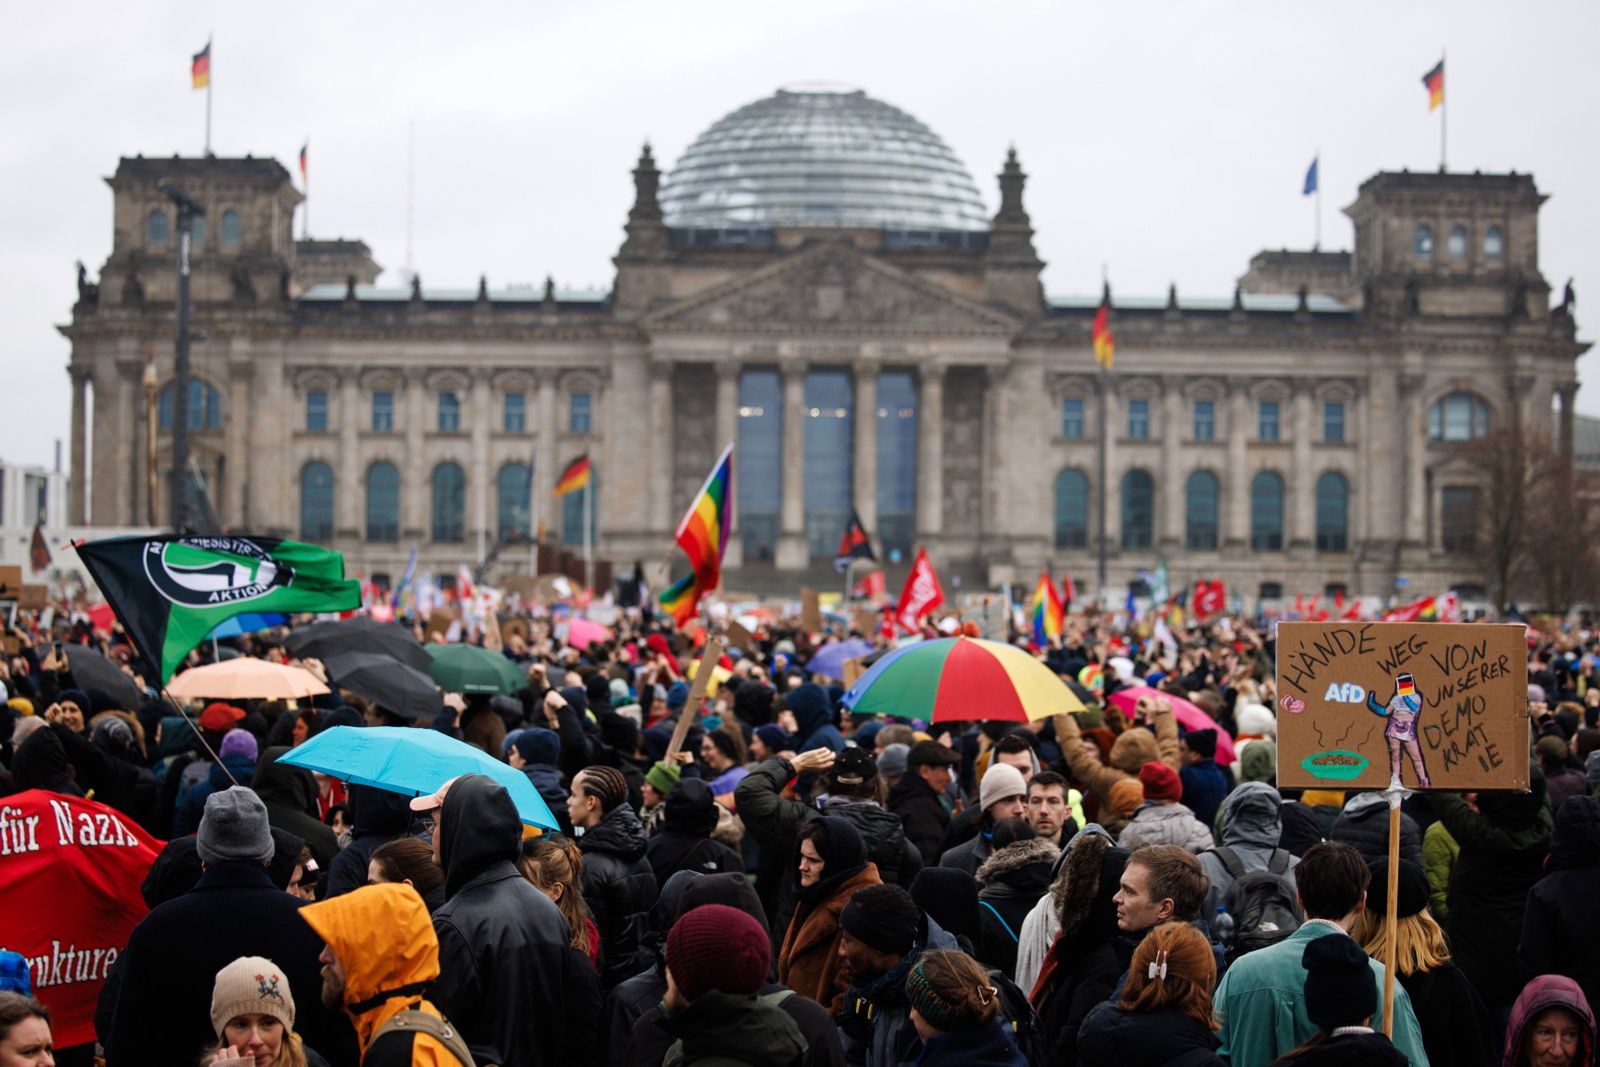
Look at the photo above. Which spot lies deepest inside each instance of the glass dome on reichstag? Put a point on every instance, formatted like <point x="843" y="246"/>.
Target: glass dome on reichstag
<point x="821" y="156"/>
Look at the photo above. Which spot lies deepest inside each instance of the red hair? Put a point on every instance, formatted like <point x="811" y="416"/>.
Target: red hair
<point x="1191" y="972"/>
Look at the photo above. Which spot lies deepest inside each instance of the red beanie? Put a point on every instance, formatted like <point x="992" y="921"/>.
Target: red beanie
<point x="1160" y="782"/>
<point x="717" y="947"/>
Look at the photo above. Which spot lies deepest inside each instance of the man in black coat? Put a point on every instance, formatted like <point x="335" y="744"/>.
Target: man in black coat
<point x="503" y="957"/>
<point x="685" y="842"/>
<point x="1562" y="923"/>
<point x="377" y="817"/>
<point x="162" y="1015"/>
<point x="918" y="797"/>
<point x="618" y="884"/>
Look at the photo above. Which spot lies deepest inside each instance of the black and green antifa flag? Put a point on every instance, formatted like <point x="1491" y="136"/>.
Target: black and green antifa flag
<point x="170" y="591"/>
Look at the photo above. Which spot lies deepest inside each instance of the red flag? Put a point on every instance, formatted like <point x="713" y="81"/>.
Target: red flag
<point x="1069" y="592"/>
<point x="921" y="595"/>
<point x="871" y="587"/>
<point x="1210" y="598"/>
<point x="1417" y="609"/>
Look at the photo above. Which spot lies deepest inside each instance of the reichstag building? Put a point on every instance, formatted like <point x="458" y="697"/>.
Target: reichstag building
<point x="817" y="279"/>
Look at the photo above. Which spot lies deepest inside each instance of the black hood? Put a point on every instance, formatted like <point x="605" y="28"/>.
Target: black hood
<point x="619" y="833"/>
<point x="1576" y="842"/>
<point x="843" y="852"/>
<point x="811" y="708"/>
<point x="478" y="827"/>
<point x="286" y="849"/>
<point x="1516" y="811"/>
<point x="175" y="871"/>
<point x="691" y="809"/>
<point x="41" y="763"/>
<point x="752" y="703"/>
<point x="375" y="812"/>
<point x="730" y="888"/>
<point x="281" y="784"/>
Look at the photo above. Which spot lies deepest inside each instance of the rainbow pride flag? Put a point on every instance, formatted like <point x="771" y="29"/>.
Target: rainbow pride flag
<point x="703" y="536"/>
<point x="1048" y="611"/>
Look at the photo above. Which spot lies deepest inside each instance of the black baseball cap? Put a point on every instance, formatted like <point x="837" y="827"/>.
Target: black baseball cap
<point x="853" y="766"/>
<point x="930" y="753"/>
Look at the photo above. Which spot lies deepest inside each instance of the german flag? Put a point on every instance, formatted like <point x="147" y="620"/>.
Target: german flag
<point x="200" y="68"/>
<point x="1433" y="81"/>
<point x="303" y="150"/>
<point x="1105" y="344"/>
<point x="575" y="477"/>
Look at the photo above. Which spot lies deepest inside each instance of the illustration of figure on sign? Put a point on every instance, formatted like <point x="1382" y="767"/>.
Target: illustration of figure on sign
<point x="1401" y="733"/>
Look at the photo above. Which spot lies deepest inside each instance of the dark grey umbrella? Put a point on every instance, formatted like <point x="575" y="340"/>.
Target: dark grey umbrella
<point x="91" y="670"/>
<point x="394" y="687"/>
<point x="323" y="640"/>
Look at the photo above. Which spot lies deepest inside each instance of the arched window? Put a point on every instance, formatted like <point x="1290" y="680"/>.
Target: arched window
<point x="316" y="503"/>
<point x="1266" y="512"/>
<point x="205" y="406"/>
<point x="1138" y="509"/>
<point x="1494" y="243"/>
<point x="572" y="511"/>
<point x="232" y="228"/>
<point x="159" y="232"/>
<point x="1422" y="242"/>
<point x="383" y="502"/>
<point x="449" y="503"/>
<point x="512" y="499"/>
<point x="1072" y="509"/>
<point x="1333" y="513"/>
<point x="1457" y="243"/>
<point x="1458" y="417"/>
<point x="1200" y="508"/>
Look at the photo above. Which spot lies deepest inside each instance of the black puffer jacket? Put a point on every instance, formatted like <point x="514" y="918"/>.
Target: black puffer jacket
<point x="502" y="943"/>
<point x="685" y="842"/>
<point x="898" y="859"/>
<point x="619" y="887"/>
<point x="1364" y="826"/>
<point x="1011" y="882"/>
<point x="1562" y="923"/>
<point x="377" y="816"/>
<point x="1112" y="1037"/>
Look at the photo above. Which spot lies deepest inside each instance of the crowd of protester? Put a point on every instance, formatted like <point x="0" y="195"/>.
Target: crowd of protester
<point x="795" y="885"/>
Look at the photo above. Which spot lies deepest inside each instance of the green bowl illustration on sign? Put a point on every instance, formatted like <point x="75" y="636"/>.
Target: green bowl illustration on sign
<point x="1336" y="765"/>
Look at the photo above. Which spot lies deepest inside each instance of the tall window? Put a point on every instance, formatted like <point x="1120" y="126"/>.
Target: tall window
<point x="572" y="506"/>
<point x="1494" y="243"/>
<point x="829" y="420"/>
<point x="512" y="499"/>
<point x="514" y="413"/>
<point x="316" y="503"/>
<point x="160" y="233"/>
<point x="759" y="479"/>
<point x="317" y="410"/>
<point x="1072" y="509"/>
<point x="1456" y="243"/>
<point x="383" y="502"/>
<point x="1138" y="509"/>
<point x="449" y="412"/>
<point x="1200" y="509"/>
<point x="1138" y="419"/>
<point x="1422" y="242"/>
<point x="205" y="406"/>
<point x="449" y="503"/>
<point x="1333" y="513"/>
<point x="1266" y="512"/>
<point x="1267" y="421"/>
<point x="1458" y="417"/>
<point x="1333" y="422"/>
<point x="197" y="231"/>
<point x="1072" y="418"/>
<point x="383" y="411"/>
<point x="580" y="412"/>
<point x="897" y="463"/>
<point x="1458" y="518"/>
<point x="1205" y="420"/>
<point x="232" y="228"/>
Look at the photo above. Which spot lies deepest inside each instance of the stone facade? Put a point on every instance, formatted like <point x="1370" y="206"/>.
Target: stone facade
<point x="1367" y="366"/>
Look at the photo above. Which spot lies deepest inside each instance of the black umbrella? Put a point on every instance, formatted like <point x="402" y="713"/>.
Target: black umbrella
<point x="91" y="670"/>
<point x="393" y="686"/>
<point x="324" y="640"/>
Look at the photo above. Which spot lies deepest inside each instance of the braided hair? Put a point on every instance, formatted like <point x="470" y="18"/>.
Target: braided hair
<point x="607" y="785"/>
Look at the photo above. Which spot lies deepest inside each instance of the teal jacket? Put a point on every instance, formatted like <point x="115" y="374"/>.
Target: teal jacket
<point x="1260" y="1004"/>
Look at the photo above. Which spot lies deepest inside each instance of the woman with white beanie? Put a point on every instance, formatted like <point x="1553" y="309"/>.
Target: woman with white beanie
<point x="252" y="1010"/>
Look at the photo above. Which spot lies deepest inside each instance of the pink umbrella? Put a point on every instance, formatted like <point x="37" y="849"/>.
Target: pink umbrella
<point x="581" y="633"/>
<point x="1187" y="714"/>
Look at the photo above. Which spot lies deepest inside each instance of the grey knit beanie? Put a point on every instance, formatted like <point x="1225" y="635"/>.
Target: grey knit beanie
<point x="234" y="827"/>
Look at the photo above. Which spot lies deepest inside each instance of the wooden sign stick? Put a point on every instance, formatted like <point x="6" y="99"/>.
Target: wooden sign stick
<point x="697" y="692"/>
<point x="1391" y="919"/>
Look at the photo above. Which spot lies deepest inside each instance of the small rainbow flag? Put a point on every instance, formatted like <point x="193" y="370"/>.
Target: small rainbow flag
<point x="200" y="68"/>
<point x="703" y="536"/>
<point x="575" y="477"/>
<point x="1047" y="611"/>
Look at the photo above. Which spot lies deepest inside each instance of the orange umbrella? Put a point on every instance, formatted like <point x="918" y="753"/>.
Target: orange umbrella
<point x="246" y="679"/>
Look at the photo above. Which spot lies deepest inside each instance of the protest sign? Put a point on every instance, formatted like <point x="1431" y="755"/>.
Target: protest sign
<point x="1442" y="706"/>
<point x="70" y="893"/>
<point x="810" y="611"/>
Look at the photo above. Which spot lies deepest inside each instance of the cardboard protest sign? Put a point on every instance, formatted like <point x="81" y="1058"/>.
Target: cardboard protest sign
<point x="810" y="611"/>
<point x="1444" y="706"/>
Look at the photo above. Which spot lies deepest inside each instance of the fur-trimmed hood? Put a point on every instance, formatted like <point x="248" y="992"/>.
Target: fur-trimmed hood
<point x="1015" y="856"/>
<point x="1083" y="891"/>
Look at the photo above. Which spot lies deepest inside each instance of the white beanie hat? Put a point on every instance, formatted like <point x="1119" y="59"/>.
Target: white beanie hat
<point x="251" y="985"/>
<point x="1000" y="781"/>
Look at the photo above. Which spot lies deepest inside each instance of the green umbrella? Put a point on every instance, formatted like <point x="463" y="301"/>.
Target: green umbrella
<point x="470" y="669"/>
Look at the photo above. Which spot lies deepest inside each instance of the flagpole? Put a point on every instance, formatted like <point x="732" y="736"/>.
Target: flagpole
<point x="1100" y="508"/>
<point x="588" y="535"/>
<point x="1444" y="110"/>
<point x="210" y="80"/>
<point x="1317" y="244"/>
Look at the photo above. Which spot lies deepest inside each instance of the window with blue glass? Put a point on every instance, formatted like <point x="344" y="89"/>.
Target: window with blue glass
<point x="317" y="410"/>
<point x="1333" y="422"/>
<point x="514" y="413"/>
<point x="512" y="497"/>
<point x="1200" y="495"/>
<point x="316" y="503"/>
<point x="1458" y="417"/>
<point x="449" y="503"/>
<point x="1138" y="419"/>
<point x="383" y="411"/>
<point x="572" y="506"/>
<point x="1422" y="242"/>
<point x="829" y="395"/>
<point x="897" y="464"/>
<point x="383" y="502"/>
<point x="232" y="228"/>
<point x="158" y="227"/>
<point x="205" y="406"/>
<point x="1266" y="512"/>
<point x="1267" y="421"/>
<point x="1072" y="418"/>
<point x="758" y="478"/>
<point x="580" y="413"/>
<point x="1333" y="513"/>
<point x="1138" y="509"/>
<point x="1205" y="420"/>
<point x="1072" y="509"/>
<point x="449" y="412"/>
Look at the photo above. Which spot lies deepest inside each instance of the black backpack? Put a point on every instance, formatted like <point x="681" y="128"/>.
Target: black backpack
<point x="1262" y="904"/>
<point x="1019" y="1016"/>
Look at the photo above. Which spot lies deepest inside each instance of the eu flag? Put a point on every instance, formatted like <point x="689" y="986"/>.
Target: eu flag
<point x="1311" y="178"/>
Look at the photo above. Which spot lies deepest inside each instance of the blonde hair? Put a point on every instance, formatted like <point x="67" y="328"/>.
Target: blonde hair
<point x="548" y="861"/>
<point x="1419" y="941"/>
<point x="291" y="1053"/>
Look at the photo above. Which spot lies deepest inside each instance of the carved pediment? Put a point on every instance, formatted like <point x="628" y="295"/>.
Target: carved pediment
<point x="827" y="287"/>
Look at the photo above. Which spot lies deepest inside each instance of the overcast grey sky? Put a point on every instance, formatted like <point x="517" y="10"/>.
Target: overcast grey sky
<point x="1167" y="140"/>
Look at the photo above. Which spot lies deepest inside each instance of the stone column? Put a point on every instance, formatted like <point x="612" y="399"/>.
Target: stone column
<point x="1170" y="479"/>
<point x="997" y="507"/>
<point x="661" y="446"/>
<point x="77" y="509"/>
<point x="1114" y="471"/>
<point x="792" y="551"/>
<point x="416" y="489"/>
<point x="545" y="472"/>
<point x="348" y="498"/>
<point x="480" y="501"/>
<point x="235" y="509"/>
<point x="131" y="486"/>
<point x="1415" y="435"/>
<point x="728" y="371"/>
<point x="1302" y="478"/>
<point x="1383" y="470"/>
<point x="1568" y="394"/>
<point x="1236" y="485"/>
<point x="864" y="479"/>
<point x="930" y="454"/>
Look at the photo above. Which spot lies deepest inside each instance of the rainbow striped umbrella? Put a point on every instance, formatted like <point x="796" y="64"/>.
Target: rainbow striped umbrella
<point x="961" y="678"/>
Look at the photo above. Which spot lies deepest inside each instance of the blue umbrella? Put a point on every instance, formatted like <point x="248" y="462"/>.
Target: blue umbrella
<point x="248" y="623"/>
<point x="415" y="762"/>
<point x="829" y="659"/>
